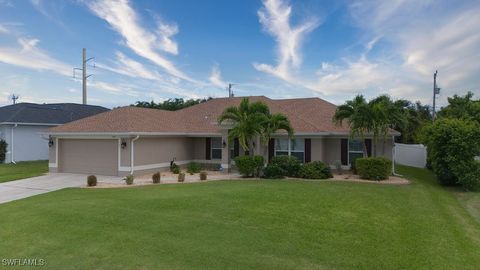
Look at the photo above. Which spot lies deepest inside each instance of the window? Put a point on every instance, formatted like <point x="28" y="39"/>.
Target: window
<point x="295" y="147"/>
<point x="216" y="148"/>
<point x="355" y="150"/>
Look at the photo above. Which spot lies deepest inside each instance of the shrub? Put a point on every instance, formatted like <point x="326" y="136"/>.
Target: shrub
<point x="203" y="176"/>
<point x="290" y="164"/>
<point x="156" y="177"/>
<point x="249" y="166"/>
<point x="91" y="180"/>
<point x="452" y="145"/>
<point x="181" y="177"/>
<point x="129" y="179"/>
<point x="193" y="167"/>
<point x="373" y="168"/>
<point x="315" y="170"/>
<point x="175" y="169"/>
<point x="273" y="171"/>
<point x="3" y="150"/>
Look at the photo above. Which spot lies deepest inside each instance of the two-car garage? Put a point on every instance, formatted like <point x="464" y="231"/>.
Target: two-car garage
<point x="88" y="156"/>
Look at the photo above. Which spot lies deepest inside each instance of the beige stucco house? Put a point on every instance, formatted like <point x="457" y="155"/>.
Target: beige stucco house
<point x="138" y="140"/>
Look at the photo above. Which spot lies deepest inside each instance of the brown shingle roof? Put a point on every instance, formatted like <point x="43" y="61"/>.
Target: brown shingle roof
<point x="307" y="115"/>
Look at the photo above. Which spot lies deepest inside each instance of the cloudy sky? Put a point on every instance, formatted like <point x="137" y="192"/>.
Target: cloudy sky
<point x="156" y="50"/>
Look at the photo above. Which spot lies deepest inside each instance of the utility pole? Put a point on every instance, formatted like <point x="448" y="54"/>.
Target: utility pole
<point x="436" y="91"/>
<point x="14" y="99"/>
<point x="230" y="91"/>
<point x="84" y="74"/>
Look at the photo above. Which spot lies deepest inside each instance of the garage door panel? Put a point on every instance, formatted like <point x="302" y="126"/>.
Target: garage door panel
<point x="88" y="156"/>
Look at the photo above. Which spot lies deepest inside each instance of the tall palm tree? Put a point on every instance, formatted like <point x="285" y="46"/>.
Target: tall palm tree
<point x="358" y="114"/>
<point x="247" y="120"/>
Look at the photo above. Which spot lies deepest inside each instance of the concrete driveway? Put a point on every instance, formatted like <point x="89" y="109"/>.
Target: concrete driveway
<point x="19" y="189"/>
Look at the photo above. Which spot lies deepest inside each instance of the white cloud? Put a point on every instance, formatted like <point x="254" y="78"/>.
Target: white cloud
<point x="3" y="29"/>
<point x="124" y="19"/>
<point x="275" y="18"/>
<point x="129" y="67"/>
<point x="28" y="55"/>
<point x="216" y="78"/>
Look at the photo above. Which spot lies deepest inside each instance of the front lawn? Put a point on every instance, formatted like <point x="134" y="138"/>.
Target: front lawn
<point x="267" y="224"/>
<point x="21" y="170"/>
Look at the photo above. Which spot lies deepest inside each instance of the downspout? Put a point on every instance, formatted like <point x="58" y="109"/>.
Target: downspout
<point x="393" y="158"/>
<point x="11" y="145"/>
<point x="132" y="154"/>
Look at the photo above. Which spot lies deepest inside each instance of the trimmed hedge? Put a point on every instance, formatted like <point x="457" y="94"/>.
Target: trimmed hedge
<point x="373" y="168"/>
<point x="290" y="164"/>
<point x="249" y="166"/>
<point x="273" y="171"/>
<point x="3" y="150"/>
<point x="315" y="170"/>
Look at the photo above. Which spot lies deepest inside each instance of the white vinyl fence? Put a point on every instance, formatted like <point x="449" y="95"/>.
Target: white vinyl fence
<point x="414" y="155"/>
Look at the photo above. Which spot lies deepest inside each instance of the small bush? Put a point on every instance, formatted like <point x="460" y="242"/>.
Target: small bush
<point x="273" y="171"/>
<point x="315" y="170"/>
<point x="129" y="179"/>
<point x="193" y="167"/>
<point x="373" y="168"/>
<point x="3" y="150"/>
<point x="156" y="177"/>
<point x="249" y="166"/>
<point x="203" y="176"/>
<point x="290" y="164"/>
<point x="91" y="180"/>
<point x="181" y="177"/>
<point x="176" y="169"/>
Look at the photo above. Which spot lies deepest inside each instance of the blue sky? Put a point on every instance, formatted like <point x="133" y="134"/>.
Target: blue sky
<point x="156" y="50"/>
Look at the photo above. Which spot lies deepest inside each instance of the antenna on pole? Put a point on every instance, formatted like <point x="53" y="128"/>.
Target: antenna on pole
<point x="436" y="91"/>
<point x="230" y="90"/>
<point x="14" y="98"/>
<point x="84" y="74"/>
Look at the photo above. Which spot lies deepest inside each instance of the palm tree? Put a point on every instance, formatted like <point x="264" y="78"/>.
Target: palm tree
<point x="247" y="120"/>
<point x="358" y="115"/>
<point x="274" y="122"/>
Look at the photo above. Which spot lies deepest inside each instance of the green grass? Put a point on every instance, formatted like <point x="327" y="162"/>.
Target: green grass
<point x="21" y="170"/>
<point x="267" y="224"/>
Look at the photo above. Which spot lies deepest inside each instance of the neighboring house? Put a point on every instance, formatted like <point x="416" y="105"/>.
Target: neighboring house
<point x="138" y="140"/>
<point x="21" y="126"/>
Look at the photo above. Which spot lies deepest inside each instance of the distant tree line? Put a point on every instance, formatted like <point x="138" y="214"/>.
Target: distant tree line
<point x="171" y="104"/>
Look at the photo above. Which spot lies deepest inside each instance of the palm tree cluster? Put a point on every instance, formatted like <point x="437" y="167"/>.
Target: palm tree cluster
<point x="374" y="118"/>
<point x="249" y="120"/>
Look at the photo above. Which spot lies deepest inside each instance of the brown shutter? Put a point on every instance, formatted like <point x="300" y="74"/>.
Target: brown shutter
<point x="308" y="150"/>
<point x="236" y="147"/>
<point x="344" y="151"/>
<point x="368" y="145"/>
<point x="271" y="149"/>
<point x="208" y="151"/>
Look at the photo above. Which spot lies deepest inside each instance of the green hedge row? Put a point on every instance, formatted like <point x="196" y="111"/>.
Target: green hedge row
<point x="373" y="168"/>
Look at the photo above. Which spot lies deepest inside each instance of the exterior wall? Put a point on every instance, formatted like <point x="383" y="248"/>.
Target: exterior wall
<point x="162" y="150"/>
<point x="318" y="149"/>
<point x="125" y="153"/>
<point x="198" y="146"/>
<point x="27" y="142"/>
<point x="332" y="150"/>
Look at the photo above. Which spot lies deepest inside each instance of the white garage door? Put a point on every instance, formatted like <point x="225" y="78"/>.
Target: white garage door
<point x="88" y="156"/>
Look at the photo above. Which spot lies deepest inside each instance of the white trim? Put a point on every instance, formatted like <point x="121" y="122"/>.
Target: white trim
<point x="163" y="165"/>
<point x="114" y="134"/>
<point x="29" y="124"/>
<point x="52" y="165"/>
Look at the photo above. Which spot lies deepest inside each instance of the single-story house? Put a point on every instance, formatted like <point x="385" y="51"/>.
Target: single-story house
<point x="21" y="126"/>
<point x="138" y="140"/>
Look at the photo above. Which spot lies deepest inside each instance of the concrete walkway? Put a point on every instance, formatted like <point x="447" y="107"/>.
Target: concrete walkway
<point x="19" y="189"/>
